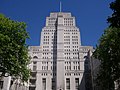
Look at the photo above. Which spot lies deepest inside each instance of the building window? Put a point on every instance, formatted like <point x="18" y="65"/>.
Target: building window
<point x="44" y="84"/>
<point x="79" y="67"/>
<point x="35" y="57"/>
<point x="34" y="62"/>
<point x="32" y="81"/>
<point x="53" y="84"/>
<point x="76" y="83"/>
<point x="1" y="84"/>
<point x="68" y="83"/>
<point x="34" y="68"/>
<point x="33" y="74"/>
<point x="31" y="88"/>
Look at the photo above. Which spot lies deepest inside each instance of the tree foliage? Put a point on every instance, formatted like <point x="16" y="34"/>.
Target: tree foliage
<point x="114" y="20"/>
<point x="108" y="50"/>
<point x="13" y="50"/>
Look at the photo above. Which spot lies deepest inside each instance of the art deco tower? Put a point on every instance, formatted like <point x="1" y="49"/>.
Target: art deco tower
<point x="58" y="63"/>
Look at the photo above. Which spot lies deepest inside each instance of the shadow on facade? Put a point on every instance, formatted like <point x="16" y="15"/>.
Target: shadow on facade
<point x="86" y="82"/>
<point x="54" y="72"/>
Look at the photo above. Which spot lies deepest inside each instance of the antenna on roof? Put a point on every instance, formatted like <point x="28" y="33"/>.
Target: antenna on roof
<point x="60" y="6"/>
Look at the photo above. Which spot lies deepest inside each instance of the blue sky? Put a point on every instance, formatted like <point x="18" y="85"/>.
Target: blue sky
<point x="90" y="16"/>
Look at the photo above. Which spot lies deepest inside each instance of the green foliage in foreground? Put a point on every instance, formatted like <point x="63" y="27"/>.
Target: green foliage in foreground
<point x="13" y="50"/>
<point x="114" y="20"/>
<point x="108" y="51"/>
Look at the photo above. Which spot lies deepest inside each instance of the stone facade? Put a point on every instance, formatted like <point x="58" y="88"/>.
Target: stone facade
<point x="58" y="63"/>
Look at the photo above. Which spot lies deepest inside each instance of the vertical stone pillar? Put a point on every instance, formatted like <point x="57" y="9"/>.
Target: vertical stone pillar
<point x="60" y="53"/>
<point x="6" y="84"/>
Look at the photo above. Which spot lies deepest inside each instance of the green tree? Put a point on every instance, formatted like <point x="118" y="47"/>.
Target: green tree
<point x="114" y="20"/>
<point x="108" y="50"/>
<point x="14" y="58"/>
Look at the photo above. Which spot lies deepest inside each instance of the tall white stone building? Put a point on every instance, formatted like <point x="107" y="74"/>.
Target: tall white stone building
<point x="58" y="63"/>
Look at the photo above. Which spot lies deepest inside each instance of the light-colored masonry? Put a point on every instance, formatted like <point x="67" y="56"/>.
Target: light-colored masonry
<point x="58" y="63"/>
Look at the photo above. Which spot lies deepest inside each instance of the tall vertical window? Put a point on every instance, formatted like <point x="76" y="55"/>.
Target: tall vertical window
<point x="44" y="84"/>
<point x="1" y="84"/>
<point x="34" y="68"/>
<point x="67" y="83"/>
<point x="34" y="65"/>
<point x="76" y="83"/>
<point x="33" y="81"/>
<point x="53" y="84"/>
